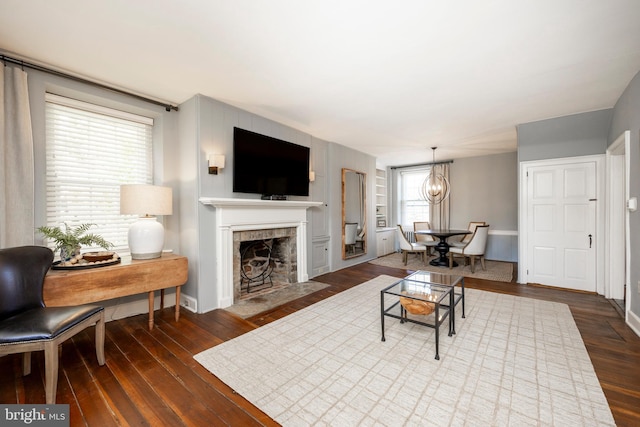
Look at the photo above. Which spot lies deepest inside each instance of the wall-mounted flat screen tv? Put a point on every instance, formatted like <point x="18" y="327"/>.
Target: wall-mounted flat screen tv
<point x="269" y="166"/>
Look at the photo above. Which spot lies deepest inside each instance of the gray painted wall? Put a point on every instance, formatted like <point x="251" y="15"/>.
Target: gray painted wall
<point x="486" y="189"/>
<point x="165" y="147"/>
<point x="483" y="188"/>
<point x="575" y="135"/>
<point x="343" y="157"/>
<point x="591" y="133"/>
<point x="626" y="116"/>
<point x="206" y="126"/>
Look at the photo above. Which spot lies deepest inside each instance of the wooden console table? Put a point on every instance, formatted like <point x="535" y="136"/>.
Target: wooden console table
<point x="131" y="277"/>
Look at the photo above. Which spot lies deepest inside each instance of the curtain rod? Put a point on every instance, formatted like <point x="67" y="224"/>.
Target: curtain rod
<point x="421" y="164"/>
<point x="4" y="58"/>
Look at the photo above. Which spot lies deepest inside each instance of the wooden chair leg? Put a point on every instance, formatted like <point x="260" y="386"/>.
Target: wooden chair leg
<point x="473" y="263"/>
<point x="484" y="267"/>
<point x="51" y="371"/>
<point x="100" y="339"/>
<point x="450" y="260"/>
<point x="26" y="363"/>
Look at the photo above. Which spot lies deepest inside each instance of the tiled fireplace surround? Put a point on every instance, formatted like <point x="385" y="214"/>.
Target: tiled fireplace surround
<point x="235" y="216"/>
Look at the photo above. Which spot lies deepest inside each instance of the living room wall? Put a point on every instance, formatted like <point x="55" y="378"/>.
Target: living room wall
<point x="206" y="126"/>
<point x="581" y="134"/>
<point x="626" y="116"/>
<point x="165" y="149"/>
<point x="485" y="188"/>
<point x="591" y="133"/>
<point x="344" y="157"/>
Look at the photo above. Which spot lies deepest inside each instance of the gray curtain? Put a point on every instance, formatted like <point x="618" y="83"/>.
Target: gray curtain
<point x="439" y="214"/>
<point x="16" y="160"/>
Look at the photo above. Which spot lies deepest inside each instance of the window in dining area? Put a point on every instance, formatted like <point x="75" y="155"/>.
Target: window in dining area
<point x="411" y="206"/>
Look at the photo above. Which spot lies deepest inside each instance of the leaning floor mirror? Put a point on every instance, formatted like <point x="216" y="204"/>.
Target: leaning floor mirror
<point x="354" y="227"/>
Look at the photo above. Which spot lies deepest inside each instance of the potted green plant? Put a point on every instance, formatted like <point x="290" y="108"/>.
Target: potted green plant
<point x="69" y="240"/>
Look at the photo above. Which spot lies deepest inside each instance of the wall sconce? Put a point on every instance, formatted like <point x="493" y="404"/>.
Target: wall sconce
<point x="215" y="162"/>
<point x="312" y="176"/>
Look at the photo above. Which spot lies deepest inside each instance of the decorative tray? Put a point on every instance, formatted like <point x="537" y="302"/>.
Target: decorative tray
<point x="83" y="264"/>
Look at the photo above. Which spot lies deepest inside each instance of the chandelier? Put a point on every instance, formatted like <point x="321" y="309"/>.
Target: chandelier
<point x="435" y="188"/>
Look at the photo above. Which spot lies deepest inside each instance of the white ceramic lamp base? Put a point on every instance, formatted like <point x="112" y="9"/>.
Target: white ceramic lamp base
<point x="146" y="238"/>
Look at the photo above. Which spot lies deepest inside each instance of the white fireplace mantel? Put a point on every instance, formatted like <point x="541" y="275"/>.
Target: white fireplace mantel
<point x="254" y="214"/>
<point x="259" y="203"/>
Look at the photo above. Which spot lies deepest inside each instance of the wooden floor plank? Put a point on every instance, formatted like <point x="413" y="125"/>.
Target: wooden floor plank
<point x="151" y="378"/>
<point x="155" y="411"/>
<point x="89" y="397"/>
<point x="125" y="410"/>
<point x="10" y="368"/>
<point x="175" y="394"/>
<point x="183" y="366"/>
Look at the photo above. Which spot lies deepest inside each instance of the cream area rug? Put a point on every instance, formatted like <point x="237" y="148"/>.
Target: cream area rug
<point x="496" y="270"/>
<point x="513" y="362"/>
<point x="267" y="300"/>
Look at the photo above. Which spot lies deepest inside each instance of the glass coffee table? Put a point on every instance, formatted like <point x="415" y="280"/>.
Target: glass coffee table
<point x="442" y="279"/>
<point x="434" y="302"/>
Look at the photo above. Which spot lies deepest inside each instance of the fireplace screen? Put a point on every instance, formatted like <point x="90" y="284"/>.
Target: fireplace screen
<point x="256" y="265"/>
<point x="263" y="261"/>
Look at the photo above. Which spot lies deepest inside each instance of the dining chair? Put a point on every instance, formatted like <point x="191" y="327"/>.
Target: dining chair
<point x="27" y="325"/>
<point x="407" y="247"/>
<point x="474" y="248"/>
<point x="424" y="239"/>
<point x="467" y="237"/>
<point x="350" y="236"/>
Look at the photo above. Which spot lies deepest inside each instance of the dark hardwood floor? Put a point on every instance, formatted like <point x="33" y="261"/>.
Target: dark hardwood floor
<point x="151" y="378"/>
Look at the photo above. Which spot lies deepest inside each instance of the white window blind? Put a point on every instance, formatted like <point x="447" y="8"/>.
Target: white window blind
<point x="90" y="151"/>
<point x="412" y="206"/>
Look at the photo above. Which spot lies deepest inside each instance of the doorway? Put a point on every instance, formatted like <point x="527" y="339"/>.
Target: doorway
<point x="561" y="221"/>
<point x="617" y="223"/>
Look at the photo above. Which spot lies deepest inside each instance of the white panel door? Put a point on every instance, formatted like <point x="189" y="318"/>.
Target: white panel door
<point x="561" y="225"/>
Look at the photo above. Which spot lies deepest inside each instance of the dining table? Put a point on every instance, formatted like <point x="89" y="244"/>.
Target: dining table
<point x="443" y="246"/>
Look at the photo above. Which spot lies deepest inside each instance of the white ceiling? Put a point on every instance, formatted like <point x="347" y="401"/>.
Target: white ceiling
<point x="387" y="78"/>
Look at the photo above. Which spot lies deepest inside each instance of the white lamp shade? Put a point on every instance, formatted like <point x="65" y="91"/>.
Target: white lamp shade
<point x="216" y="160"/>
<point x="144" y="199"/>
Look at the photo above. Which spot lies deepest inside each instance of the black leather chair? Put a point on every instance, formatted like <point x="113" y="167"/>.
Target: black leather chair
<point x="26" y="325"/>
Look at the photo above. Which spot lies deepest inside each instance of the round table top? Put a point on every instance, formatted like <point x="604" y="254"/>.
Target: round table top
<point x="443" y="232"/>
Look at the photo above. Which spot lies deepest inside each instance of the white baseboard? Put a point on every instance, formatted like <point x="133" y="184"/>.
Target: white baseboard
<point x="119" y="308"/>
<point x="634" y="322"/>
<point x="189" y="303"/>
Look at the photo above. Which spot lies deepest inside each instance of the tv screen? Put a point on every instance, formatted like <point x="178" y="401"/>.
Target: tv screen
<point x="269" y="166"/>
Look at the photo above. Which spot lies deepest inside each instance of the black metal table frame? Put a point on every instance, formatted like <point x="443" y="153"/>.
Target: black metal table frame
<point x="450" y="314"/>
<point x="457" y="296"/>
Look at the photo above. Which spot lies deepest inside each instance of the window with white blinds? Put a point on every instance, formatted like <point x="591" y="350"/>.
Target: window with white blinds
<point x="90" y="151"/>
<point x="412" y="206"/>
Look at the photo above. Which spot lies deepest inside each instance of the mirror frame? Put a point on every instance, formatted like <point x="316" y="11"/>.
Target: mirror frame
<point x="363" y="214"/>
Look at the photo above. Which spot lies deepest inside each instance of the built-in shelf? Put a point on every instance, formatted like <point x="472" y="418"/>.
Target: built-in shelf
<point x="381" y="198"/>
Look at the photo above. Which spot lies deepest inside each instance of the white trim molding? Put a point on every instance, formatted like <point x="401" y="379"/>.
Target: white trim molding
<point x="253" y="214"/>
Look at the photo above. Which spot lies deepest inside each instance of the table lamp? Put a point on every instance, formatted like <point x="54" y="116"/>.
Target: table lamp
<point x="146" y="236"/>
